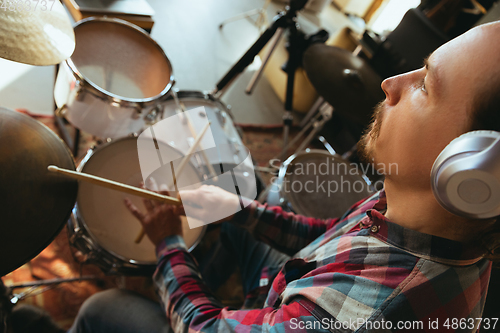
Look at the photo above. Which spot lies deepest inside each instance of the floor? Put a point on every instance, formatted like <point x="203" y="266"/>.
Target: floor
<point x="199" y="51"/>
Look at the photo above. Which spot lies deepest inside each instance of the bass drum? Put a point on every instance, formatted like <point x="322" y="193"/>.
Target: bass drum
<point x="101" y="228"/>
<point x="317" y="184"/>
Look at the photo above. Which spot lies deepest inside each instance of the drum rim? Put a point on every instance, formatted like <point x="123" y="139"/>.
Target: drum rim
<point x="199" y="94"/>
<point x="284" y="168"/>
<point x="109" y="96"/>
<point x="79" y="218"/>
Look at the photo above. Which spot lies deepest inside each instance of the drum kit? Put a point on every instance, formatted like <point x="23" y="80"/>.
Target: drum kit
<point x="113" y="81"/>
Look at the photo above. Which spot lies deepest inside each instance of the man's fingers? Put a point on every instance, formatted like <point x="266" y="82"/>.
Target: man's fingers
<point x="149" y="204"/>
<point x="134" y="210"/>
<point x="179" y="210"/>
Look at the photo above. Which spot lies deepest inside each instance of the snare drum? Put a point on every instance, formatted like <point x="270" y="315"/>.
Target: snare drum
<point x="112" y="84"/>
<point x="317" y="184"/>
<point x="101" y="227"/>
<point x="224" y="132"/>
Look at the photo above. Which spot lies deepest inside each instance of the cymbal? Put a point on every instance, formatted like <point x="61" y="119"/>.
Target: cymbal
<point x="34" y="203"/>
<point x="345" y="81"/>
<point x="34" y="36"/>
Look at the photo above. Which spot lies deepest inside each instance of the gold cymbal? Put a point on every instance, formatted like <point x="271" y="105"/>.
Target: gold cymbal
<point x="35" y="32"/>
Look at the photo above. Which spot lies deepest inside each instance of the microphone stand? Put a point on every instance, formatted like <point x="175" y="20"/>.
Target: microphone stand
<point x="286" y="20"/>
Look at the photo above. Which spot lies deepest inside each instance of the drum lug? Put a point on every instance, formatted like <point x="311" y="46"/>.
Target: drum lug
<point x="152" y="116"/>
<point x="76" y="235"/>
<point x="80" y="257"/>
<point x="60" y="112"/>
<point x="79" y="91"/>
<point x="137" y="112"/>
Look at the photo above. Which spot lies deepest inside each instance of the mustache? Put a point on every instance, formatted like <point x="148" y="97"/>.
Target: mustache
<point x="373" y="129"/>
<point x="371" y="133"/>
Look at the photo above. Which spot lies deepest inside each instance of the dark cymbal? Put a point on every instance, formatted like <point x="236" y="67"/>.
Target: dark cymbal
<point x="34" y="203"/>
<point x="345" y="81"/>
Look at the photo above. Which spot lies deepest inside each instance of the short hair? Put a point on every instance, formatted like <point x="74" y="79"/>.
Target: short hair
<point x="485" y="115"/>
<point x="485" y="108"/>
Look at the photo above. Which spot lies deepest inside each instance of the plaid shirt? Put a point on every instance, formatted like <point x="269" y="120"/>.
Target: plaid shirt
<point x="360" y="273"/>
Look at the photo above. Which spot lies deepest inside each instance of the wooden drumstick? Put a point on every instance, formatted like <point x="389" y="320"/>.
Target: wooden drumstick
<point x="182" y="108"/>
<point x="115" y="185"/>
<point x="203" y="154"/>
<point x="186" y="158"/>
<point x="180" y="169"/>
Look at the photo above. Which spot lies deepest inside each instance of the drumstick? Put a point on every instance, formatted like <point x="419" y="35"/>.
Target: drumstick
<point x="183" y="163"/>
<point x="203" y="154"/>
<point x="186" y="158"/>
<point x="114" y="185"/>
<point x="182" y="107"/>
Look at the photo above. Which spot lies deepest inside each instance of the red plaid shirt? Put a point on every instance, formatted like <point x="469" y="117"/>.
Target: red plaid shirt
<point x="359" y="273"/>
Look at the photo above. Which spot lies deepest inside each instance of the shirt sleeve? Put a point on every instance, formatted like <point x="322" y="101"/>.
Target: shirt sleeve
<point x="190" y="306"/>
<point x="284" y="231"/>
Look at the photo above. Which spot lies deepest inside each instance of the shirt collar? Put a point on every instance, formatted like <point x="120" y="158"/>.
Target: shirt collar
<point x="422" y="245"/>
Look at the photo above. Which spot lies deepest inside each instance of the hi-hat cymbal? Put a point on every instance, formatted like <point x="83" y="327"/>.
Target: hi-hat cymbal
<point x="347" y="82"/>
<point x="40" y="35"/>
<point x="34" y="203"/>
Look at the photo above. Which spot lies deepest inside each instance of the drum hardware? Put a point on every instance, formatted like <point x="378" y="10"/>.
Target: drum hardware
<point x="225" y="132"/>
<point x="181" y="108"/>
<point x="180" y="170"/>
<point x="315" y="200"/>
<point x="316" y="123"/>
<point x="101" y="228"/>
<point x="59" y="112"/>
<point x="8" y="299"/>
<point x="152" y="116"/>
<point x="106" y="97"/>
<point x="297" y="42"/>
<point x="328" y="146"/>
<point x="312" y="111"/>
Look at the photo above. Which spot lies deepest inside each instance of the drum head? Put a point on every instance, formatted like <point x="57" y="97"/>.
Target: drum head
<point x="34" y="202"/>
<point x="118" y="58"/>
<point x="321" y="185"/>
<point x="223" y="130"/>
<point x="103" y="212"/>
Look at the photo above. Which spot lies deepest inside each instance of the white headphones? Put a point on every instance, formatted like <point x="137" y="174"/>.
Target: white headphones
<point x="465" y="177"/>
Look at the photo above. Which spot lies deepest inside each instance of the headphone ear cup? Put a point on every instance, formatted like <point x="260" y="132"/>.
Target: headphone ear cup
<point x="463" y="176"/>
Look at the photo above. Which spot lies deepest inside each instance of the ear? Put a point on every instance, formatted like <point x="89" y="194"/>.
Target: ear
<point x="465" y="177"/>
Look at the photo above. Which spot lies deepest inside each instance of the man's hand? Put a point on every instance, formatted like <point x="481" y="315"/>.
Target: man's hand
<point x="207" y="202"/>
<point x="161" y="220"/>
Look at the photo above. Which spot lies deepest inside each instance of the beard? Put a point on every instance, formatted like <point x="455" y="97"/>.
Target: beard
<point x="366" y="144"/>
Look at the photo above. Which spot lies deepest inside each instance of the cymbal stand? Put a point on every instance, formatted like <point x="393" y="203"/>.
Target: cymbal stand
<point x="325" y="114"/>
<point x="8" y="300"/>
<point x="283" y="21"/>
<point x="317" y="122"/>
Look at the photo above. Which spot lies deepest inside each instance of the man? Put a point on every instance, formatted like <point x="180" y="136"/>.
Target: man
<point x="395" y="262"/>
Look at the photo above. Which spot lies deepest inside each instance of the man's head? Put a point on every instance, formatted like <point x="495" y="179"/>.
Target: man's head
<point x="455" y="92"/>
